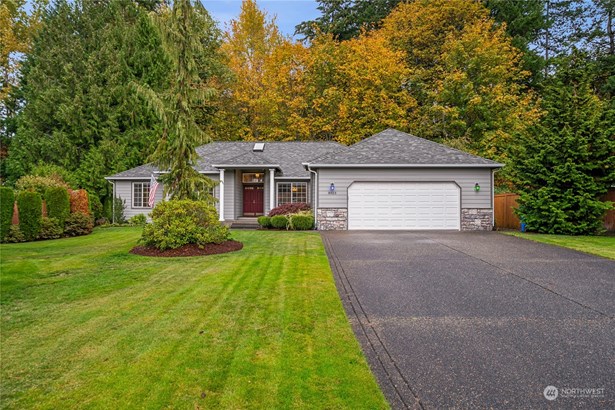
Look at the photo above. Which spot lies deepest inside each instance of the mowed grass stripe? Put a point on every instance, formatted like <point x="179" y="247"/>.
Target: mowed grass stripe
<point x="259" y="328"/>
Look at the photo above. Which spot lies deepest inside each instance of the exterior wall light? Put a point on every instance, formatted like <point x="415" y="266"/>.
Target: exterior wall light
<point x="332" y="189"/>
<point x="476" y="187"/>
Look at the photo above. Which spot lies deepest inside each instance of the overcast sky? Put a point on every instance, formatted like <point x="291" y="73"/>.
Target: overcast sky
<point x="289" y="12"/>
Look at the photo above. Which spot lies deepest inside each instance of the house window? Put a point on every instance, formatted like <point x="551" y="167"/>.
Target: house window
<point x="140" y="195"/>
<point x="292" y="192"/>
<point x="253" y="177"/>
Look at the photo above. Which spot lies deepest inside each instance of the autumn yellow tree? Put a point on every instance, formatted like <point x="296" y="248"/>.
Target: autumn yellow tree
<point x="354" y="89"/>
<point x="283" y="90"/>
<point x="464" y="73"/>
<point x="249" y="45"/>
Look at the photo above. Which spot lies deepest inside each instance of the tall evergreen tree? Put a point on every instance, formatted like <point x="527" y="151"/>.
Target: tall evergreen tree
<point x="176" y="149"/>
<point x="567" y="162"/>
<point x="80" y="111"/>
<point x="345" y="19"/>
<point x="525" y="23"/>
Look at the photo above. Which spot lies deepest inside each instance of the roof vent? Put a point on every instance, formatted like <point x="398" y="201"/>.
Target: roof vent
<point x="259" y="147"/>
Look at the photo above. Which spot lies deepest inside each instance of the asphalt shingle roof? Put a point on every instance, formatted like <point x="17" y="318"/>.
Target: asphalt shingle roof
<point x="288" y="156"/>
<point x="391" y="147"/>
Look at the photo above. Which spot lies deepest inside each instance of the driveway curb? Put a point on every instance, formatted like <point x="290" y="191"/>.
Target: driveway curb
<point x="394" y="385"/>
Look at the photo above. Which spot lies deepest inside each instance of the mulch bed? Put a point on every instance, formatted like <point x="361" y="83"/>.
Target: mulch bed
<point x="189" y="250"/>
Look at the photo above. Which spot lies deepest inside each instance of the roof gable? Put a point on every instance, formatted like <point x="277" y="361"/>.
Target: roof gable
<point x="393" y="147"/>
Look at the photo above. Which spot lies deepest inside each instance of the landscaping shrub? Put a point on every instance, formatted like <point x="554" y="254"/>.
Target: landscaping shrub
<point x="50" y="229"/>
<point x="101" y="221"/>
<point x="30" y="205"/>
<point x="78" y="224"/>
<point x="7" y="201"/>
<point x="138" y="220"/>
<point x="79" y="201"/>
<point x="179" y="222"/>
<point x="58" y="204"/>
<point x="14" y="235"/>
<point x="264" y="221"/>
<point x="38" y="184"/>
<point x="279" y="222"/>
<point x="117" y="210"/>
<point x="96" y="207"/>
<point x="301" y="222"/>
<point x="288" y="209"/>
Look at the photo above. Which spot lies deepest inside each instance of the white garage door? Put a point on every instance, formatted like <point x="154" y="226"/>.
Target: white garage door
<point x="403" y="205"/>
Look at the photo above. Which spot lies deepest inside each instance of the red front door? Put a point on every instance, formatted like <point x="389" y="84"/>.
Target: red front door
<point x="252" y="200"/>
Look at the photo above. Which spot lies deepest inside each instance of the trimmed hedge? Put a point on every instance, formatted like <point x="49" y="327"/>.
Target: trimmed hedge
<point x="279" y="222"/>
<point x="301" y="222"/>
<point x="78" y="224"/>
<point x="179" y="222"/>
<point x="288" y="209"/>
<point x="264" y="221"/>
<point x="30" y="205"/>
<point x="58" y="204"/>
<point x="79" y="202"/>
<point x="7" y="202"/>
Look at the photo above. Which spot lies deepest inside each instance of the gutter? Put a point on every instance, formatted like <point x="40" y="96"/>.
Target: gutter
<point x="494" y="165"/>
<point x="277" y="166"/>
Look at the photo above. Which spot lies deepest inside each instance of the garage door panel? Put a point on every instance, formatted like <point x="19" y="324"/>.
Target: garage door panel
<point x="403" y="205"/>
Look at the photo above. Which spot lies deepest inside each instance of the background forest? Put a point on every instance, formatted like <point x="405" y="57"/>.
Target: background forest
<point x="529" y="83"/>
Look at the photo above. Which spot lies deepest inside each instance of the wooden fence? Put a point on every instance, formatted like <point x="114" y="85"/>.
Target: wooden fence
<point x="505" y="217"/>
<point x="503" y="208"/>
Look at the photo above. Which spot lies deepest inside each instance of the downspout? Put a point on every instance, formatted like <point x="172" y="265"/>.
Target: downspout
<point x="112" y="182"/>
<point x="315" y="194"/>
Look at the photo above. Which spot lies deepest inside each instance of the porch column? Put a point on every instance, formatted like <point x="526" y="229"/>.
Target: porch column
<point x="221" y="199"/>
<point x="271" y="188"/>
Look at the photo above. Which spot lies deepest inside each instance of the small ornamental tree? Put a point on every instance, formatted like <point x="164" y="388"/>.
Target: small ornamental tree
<point x="30" y="205"/>
<point x="564" y="166"/>
<point x="79" y="202"/>
<point x="7" y="200"/>
<point x="58" y="204"/>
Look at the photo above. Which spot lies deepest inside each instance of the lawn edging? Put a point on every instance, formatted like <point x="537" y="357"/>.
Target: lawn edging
<point x="603" y="246"/>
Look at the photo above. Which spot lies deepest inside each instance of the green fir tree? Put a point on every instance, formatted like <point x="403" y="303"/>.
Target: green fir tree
<point x="566" y="164"/>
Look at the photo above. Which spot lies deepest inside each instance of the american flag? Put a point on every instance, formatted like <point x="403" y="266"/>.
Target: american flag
<point x="153" y="186"/>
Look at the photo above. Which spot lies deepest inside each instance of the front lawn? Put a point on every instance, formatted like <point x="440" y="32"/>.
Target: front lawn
<point x="86" y="324"/>
<point x="597" y="245"/>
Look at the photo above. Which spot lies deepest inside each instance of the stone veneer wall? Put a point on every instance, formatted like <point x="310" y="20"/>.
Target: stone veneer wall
<point x="476" y="219"/>
<point x="332" y="219"/>
<point x="472" y="219"/>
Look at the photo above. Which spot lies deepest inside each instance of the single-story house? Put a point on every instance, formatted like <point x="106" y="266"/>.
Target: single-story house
<point x="391" y="180"/>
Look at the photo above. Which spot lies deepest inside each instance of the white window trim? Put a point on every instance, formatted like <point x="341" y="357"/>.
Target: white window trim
<point x="277" y="191"/>
<point x="132" y="196"/>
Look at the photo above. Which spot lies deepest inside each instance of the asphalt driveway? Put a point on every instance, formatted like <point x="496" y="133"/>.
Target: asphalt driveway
<point x="475" y="320"/>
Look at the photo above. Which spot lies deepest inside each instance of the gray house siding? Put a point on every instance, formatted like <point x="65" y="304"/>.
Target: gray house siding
<point x="464" y="177"/>
<point x="123" y="189"/>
